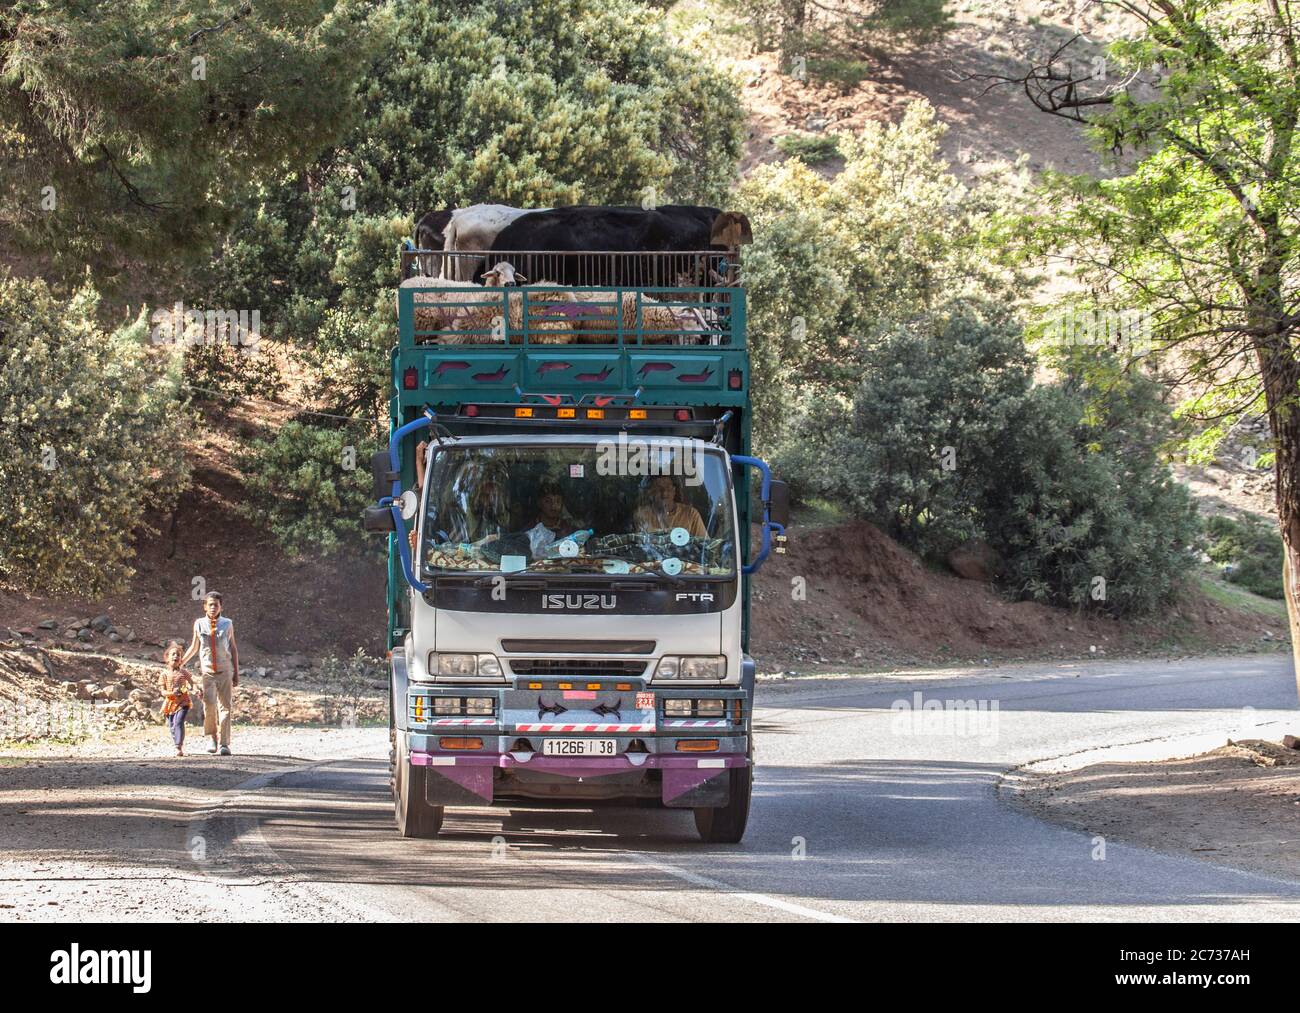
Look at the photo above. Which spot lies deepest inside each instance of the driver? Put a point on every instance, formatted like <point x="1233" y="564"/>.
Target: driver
<point x="661" y="509"/>
<point x="552" y="520"/>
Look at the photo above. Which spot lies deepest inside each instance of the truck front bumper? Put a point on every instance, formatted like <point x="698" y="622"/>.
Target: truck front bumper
<point x="480" y="778"/>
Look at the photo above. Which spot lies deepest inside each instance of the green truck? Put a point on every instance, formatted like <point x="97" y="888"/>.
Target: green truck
<point x="573" y="515"/>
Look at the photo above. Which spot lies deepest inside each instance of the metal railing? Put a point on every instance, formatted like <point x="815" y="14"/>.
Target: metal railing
<point x="660" y="269"/>
<point x="598" y="298"/>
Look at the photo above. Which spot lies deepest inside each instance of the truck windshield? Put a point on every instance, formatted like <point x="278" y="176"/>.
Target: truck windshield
<point x="619" y="507"/>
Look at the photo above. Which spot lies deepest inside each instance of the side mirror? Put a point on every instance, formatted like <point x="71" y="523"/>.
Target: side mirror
<point x="779" y="503"/>
<point x="384" y="478"/>
<point x="378" y="518"/>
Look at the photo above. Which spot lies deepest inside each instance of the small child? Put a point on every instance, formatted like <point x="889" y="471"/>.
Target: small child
<point x="177" y="683"/>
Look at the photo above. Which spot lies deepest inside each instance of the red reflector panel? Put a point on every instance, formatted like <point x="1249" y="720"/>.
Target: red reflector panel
<point x="734" y="379"/>
<point x="411" y="379"/>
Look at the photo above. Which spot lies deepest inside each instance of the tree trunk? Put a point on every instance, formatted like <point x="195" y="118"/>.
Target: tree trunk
<point x="1280" y="373"/>
<point x="793" y="15"/>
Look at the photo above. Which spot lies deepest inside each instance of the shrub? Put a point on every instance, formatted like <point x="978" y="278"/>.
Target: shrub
<point x="219" y="373"/>
<point x="309" y="486"/>
<point x="809" y="148"/>
<point x="947" y="437"/>
<point x="1250" y="550"/>
<point x="90" y="439"/>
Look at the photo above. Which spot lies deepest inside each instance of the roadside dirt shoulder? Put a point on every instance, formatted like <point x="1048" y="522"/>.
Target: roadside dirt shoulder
<point x="1238" y="805"/>
<point x="101" y="830"/>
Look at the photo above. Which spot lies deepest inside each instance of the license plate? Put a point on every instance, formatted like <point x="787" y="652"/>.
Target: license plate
<point x="579" y="747"/>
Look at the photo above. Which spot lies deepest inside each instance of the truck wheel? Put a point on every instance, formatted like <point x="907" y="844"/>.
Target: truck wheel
<point x="415" y="817"/>
<point x="726" y="824"/>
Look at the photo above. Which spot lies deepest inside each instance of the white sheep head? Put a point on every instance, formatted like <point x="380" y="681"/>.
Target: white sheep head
<point x="503" y="273"/>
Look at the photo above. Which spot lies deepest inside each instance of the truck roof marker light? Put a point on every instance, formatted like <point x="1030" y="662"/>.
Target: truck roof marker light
<point x="566" y="413"/>
<point x="683" y="415"/>
<point x="471" y="411"/>
<point x="460" y="743"/>
<point x="697" y="745"/>
<point x="623" y="686"/>
<point x="595" y="413"/>
<point x="637" y="413"/>
<point x="523" y="413"/>
<point x="534" y="685"/>
<point x="565" y="685"/>
<point x="593" y="685"/>
<point x="411" y="379"/>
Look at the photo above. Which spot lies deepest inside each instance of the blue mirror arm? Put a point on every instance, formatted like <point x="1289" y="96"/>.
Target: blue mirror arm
<point x="395" y="465"/>
<point x="766" y="495"/>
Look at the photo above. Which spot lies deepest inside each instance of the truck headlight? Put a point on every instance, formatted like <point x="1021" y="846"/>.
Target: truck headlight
<point x="454" y="664"/>
<point x="462" y="666"/>
<point x="709" y="668"/>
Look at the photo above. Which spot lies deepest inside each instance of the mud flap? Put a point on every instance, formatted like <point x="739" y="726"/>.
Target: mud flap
<point x="693" y="788"/>
<point x="457" y="785"/>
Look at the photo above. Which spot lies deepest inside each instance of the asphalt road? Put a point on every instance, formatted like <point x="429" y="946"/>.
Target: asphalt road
<point x="861" y="812"/>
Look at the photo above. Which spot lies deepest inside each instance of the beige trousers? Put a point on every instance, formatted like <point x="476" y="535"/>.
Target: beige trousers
<point x="218" y="691"/>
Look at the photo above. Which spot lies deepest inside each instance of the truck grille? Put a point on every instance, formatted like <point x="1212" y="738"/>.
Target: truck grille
<point x="577" y="666"/>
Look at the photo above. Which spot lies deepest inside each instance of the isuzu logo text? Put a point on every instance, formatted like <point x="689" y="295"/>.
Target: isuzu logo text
<point x="579" y="601"/>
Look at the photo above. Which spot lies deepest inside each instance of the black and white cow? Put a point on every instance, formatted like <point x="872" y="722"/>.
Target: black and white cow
<point x="456" y="230"/>
<point x="595" y="231"/>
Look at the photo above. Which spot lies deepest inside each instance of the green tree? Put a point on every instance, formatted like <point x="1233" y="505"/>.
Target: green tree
<point x="90" y="440"/>
<point x="535" y="104"/>
<point x="309" y="485"/>
<point x="892" y="237"/>
<point x="1199" y="230"/>
<point x="947" y="438"/>
<point x="128" y="129"/>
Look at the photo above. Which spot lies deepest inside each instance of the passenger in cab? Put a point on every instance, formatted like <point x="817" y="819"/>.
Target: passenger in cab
<point x="661" y="509"/>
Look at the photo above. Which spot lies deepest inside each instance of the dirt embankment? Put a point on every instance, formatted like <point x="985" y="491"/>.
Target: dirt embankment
<point x="64" y="696"/>
<point x="281" y="606"/>
<point x="1238" y="805"/>
<point x="846" y="594"/>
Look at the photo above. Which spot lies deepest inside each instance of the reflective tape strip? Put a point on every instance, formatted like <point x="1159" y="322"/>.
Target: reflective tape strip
<point x="526" y="727"/>
<point x="723" y="723"/>
<point x="713" y="763"/>
<point x="463" y="722"/>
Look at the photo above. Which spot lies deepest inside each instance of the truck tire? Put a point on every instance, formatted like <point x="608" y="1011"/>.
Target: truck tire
<point x="415" y="817"/>
<point x="726" y="824"/>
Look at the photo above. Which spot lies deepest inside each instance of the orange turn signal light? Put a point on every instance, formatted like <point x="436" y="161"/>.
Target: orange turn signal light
<point x="455" y="743"/>
<point x="697" y="745"/>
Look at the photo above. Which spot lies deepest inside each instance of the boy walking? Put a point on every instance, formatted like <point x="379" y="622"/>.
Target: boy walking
<point x="214" y="643"/>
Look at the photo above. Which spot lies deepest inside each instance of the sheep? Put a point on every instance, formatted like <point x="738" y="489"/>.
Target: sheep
<point x="660" y="324"/>
<point x="441" y="312"/>
<point x="546" y="325"/>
